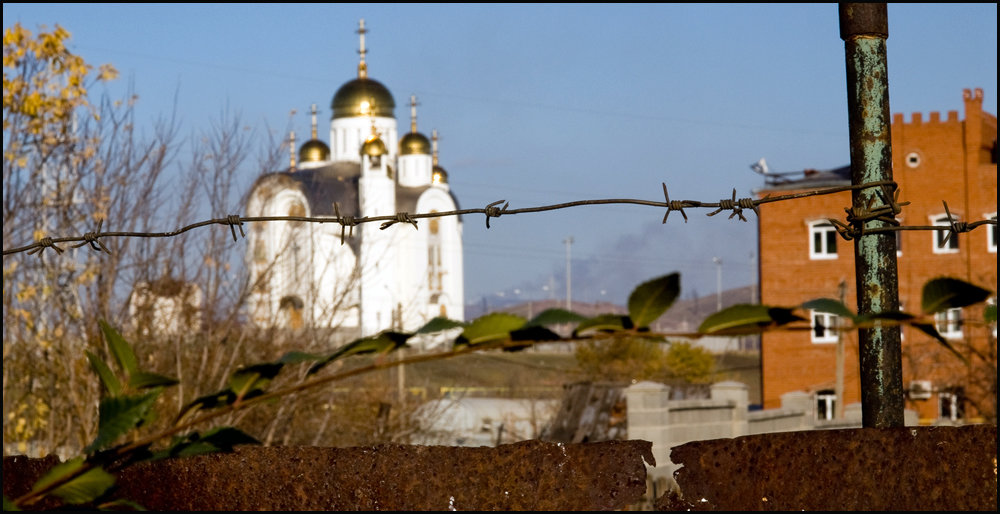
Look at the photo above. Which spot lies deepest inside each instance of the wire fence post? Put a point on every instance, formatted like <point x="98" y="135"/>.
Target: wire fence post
<point x="864" y="29"/>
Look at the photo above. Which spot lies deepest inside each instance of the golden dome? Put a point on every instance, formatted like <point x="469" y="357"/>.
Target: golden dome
<point x="414" y="143"/>
<point x="363" y="97"/>
<point x="439" y="175"/>
<point x="314" y="150"/>
<point x="374" y="147"/>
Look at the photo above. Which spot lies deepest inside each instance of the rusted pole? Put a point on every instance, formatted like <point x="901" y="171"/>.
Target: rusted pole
<point x="864" y="28"/>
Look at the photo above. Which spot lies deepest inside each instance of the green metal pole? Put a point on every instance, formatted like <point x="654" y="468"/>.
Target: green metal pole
<point x="864" y="28"/>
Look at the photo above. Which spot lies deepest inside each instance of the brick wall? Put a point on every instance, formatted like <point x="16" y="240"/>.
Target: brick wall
<point x="934" y="160"/>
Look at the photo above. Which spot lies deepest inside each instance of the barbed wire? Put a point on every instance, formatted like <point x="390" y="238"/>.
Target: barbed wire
<point x="857" y="216"/>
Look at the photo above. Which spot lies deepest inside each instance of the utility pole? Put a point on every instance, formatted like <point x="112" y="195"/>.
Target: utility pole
<point x="569" y="279"/>
<point x="864" y="29"/>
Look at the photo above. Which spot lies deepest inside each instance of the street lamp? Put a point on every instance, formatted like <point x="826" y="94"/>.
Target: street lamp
<point x="718" y="283"/>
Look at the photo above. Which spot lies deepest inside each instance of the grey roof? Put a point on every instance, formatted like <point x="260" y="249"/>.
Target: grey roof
<point x="807" y="179"/>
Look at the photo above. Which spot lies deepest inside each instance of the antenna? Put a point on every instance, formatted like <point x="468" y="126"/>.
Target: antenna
<point x="760" y="167"/>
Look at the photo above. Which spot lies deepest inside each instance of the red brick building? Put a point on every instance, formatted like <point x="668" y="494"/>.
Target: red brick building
<point x="802" y="258"/>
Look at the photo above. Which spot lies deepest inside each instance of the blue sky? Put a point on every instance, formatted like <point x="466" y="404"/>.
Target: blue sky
<point x="538" y="104"/>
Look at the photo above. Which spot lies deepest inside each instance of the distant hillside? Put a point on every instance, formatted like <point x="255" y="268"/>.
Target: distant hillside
<point x="683" y="316"/>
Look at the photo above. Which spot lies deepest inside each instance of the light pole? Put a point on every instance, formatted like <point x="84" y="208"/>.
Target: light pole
<point x="569" y="280"/>
<point x="718" y="283"/>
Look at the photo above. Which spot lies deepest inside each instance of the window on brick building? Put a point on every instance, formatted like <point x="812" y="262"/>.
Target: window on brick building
<point x="822" y="240"/>
<point x="826" y="402"/>
<point x="991" y="234"/>
<point x="950" y="403"/>
<point x="949" y="323"/>
<point x="824" y="327"/>
<point x="944" y="240"/>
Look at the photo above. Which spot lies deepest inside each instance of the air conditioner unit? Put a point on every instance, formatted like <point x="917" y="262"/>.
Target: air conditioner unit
<point x="921" y="389"/>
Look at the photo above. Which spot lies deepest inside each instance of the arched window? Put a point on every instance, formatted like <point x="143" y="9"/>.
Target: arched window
<point x="291" y="308"/>
<point x="297" y="209"/>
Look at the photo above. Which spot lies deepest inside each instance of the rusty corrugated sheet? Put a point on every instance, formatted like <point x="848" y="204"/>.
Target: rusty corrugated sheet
<point x="530" y="475"/>
<point x="900" y="468"/>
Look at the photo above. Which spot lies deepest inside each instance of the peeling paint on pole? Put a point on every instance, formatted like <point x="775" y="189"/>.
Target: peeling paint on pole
<point x="864" y="29"/>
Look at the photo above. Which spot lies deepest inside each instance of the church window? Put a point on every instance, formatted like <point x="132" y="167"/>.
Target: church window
<point x="297" y="209"/>
<point x="291" y="308"/>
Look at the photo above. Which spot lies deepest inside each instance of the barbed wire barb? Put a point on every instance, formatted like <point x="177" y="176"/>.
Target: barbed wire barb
<point x="42" y="244"/>
<point x="736" y="206"/>
<point x="401" y="217"/>
<point x="492" y="211"/>
<point x="954" y="224"/>
<point x="345" y="222"/>
<point x="672" y="206"/>
<point x="92" y="238"/>
<point x="234" y="220"/>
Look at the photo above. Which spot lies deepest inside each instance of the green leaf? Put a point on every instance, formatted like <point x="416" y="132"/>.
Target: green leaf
<point x="604" y="323"/>
<point x="941" y="294"/>
<point x="254" y="377"/>
<point x="221" y="439"/>
<point x="990" y="313"/>
<point x="295" y="357"/>
<point x="108" y="378"/>
<point x="550" y="317"/>
<point x="531" y="335"/>
<point x="81" y="489"/>
<point x="145" y="380"/>
<point x="120" y="348"/>
<point x="381" y="343"/>
<point x="121" y="504"/>
<point x="929" y="329"/>
<point x="746" y="319"/>
<point x="86" y="487"/>
<point x="208" y="401"/>
<point x="119" y="414"/>
<point x="491" y="327"/>
<point x="8" y="505"/>
<point x="652" y="298"/>
<point x="832" y="306"/>
<point x="439" y="324"/>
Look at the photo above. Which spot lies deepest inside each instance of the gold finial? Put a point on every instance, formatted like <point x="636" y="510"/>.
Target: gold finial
<point x="434" y="146"/>
<point x="291" y="151"/>
<point x="413" y="113"/>
<point x="362" y="67"/>
<point x="314" y="121"/>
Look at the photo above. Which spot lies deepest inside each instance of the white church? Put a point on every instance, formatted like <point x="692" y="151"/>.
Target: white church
<point x="357" y="280"/>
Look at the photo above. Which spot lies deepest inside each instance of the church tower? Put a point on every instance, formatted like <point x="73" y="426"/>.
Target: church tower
<point x="360" y="280"/>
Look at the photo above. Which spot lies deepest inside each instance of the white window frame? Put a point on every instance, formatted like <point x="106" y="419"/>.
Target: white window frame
<point x="829" y="322"/>
<point x="938" y="236"/>
<point x="948" y="323"/>
<point x="828" y="400"/>
<point x="991" y="234"/>
<point x="826" y="231"/>
<point x="950" y="405"/>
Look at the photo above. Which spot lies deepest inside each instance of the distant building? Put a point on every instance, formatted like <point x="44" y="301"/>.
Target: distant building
<point x="166" y="306"/>
<point x="802" y="258"/>
<point x="305" y="275"/>
<point x="482" y="421"/>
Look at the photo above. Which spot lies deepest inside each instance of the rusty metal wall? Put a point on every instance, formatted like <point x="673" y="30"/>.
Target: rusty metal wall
<point x="899" y="468"/>
<point x="904" y="468"/>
